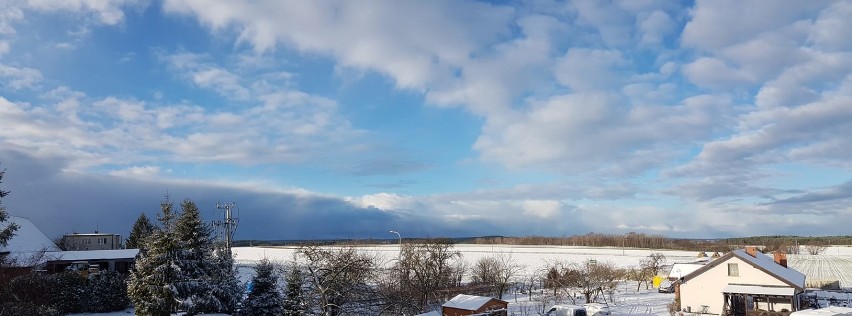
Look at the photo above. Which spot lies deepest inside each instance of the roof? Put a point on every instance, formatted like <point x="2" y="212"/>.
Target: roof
<point x="760" y="261"/>
<point x="682" y="269"/>
<point x="432" y="313"/>
<point x="93" y="255"/>
<point x="28" y="239"/>
<point x="828" y="311"/>
<point x="469" y="302"/>
<point x="759" y="289"/>
<point x="90" y="234"/>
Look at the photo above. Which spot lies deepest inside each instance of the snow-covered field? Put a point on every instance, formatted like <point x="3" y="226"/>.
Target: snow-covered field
<point x="531" y="258"/>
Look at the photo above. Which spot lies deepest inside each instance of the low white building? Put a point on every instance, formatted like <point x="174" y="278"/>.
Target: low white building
<point x="743" y="282"/>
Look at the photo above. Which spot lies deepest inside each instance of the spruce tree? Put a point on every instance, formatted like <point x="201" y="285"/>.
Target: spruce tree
<point x="8" y="231"/>
<point x="226" y="286"/>
<point x="196" y="262"/>
<point x="142" y="228"/>
<point x="264" y="299"/>
<point x="151" y="284"/>
<point x="293" y="304"/>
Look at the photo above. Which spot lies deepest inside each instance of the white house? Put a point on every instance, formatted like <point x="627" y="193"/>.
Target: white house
<point x="743" y="282"/>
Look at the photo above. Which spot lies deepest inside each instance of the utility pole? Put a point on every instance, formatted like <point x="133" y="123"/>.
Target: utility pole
<point x="228" y="225"/>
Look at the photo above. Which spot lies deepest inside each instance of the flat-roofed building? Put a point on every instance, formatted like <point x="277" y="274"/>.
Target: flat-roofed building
<point x="95" y="241"/>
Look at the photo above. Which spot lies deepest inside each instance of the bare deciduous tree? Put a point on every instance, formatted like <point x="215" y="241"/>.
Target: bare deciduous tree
<point x="641" y="275"/>
<point x="496" y="271"/>
<point x="815" y="248"/>
<point x="592" y="277"/>
<point x="337" y="278"/>
<point x="654" y="263"/>
<point x="420" y="273"/>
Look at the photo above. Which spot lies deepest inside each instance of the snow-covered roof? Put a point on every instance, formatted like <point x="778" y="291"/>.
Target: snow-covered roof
<point x="28" y="239"/>
<point x="432" y="313"/>
<point x="769" y="265"/>
<point x="467" y="302"/>
<point x="681" y="269"/>
<point x="760" y="290"/>
<point x="828" y="311"/>
<point x="93" y="255"/>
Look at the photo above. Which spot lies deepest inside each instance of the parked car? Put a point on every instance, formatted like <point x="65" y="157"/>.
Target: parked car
<point x="597" y="309"/>
<point x="566" y="310"/>
<point x="666" y="287"/>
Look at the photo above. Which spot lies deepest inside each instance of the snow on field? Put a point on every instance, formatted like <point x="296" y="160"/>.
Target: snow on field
<point x="823" y="269"/>
<point x="532" y="258"/>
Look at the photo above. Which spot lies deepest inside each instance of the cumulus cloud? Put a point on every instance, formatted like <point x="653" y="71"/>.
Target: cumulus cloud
<point x="16" y="78"/>
<point x="603" y="116"/>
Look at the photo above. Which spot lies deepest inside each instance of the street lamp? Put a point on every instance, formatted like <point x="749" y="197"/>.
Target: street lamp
<point x="398" y="256"/>
<point x="398" y="236"/>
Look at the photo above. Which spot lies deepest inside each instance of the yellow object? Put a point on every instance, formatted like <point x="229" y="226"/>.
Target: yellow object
<point x="657" y="280"/>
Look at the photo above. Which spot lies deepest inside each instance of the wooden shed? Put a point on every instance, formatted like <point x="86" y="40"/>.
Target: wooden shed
<point x="463" y="304"/>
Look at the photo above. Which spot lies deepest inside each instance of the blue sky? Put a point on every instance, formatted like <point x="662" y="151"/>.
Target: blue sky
<point x="345" y="119"/>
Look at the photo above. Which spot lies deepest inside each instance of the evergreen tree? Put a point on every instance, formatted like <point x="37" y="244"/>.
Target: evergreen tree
<point x="142" y="228"/>
<point x="227" y="287"/>
<point x="196" y="262"/>
<point x="108" y="292"/>
<point x="8" y="231"/>
<point x="264" y="298"/>
<point x="151" y="284"/>
<point x="293" y="304"/>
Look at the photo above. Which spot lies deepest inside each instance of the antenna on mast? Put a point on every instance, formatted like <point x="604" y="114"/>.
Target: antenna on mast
<point x="226" y="227"/>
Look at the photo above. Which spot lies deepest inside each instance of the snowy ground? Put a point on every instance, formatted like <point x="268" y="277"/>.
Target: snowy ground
<point x="836" y="261"/>
<point x="532" y="258"/>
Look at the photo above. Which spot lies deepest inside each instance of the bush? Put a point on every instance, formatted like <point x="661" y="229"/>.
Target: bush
<point x="46" y="294"/>
<point x="107" y="292"/>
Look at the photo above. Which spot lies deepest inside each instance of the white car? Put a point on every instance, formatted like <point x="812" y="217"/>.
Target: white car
<point x="597" y="309"/>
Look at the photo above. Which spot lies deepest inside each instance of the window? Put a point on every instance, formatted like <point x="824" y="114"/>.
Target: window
<point x="733" y="269"/>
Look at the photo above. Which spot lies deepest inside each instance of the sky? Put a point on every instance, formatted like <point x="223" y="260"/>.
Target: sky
<point x="347" y="119"/>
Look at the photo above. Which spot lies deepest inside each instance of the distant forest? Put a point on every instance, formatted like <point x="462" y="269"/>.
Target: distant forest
<point x="630" y="240"/>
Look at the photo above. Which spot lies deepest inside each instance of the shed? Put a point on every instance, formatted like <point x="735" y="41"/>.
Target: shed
<point x="463" y="304"/>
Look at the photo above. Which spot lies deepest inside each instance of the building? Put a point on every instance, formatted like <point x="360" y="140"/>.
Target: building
<point x="120" y="260"/>
<point x="743" y="282"/>
<point x="463" y="304"/>
<point x="94" y="241"/>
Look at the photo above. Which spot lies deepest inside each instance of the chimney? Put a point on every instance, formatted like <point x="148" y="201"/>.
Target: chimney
<point x="751" y="251"/>
<point x="781" y="258"/>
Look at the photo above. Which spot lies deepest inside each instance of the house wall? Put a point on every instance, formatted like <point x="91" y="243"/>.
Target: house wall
<point x="92" y="242"/>
<point x="706" y="288"/>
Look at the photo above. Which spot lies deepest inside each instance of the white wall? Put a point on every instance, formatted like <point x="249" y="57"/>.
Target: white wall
<point x="706" y="288"/>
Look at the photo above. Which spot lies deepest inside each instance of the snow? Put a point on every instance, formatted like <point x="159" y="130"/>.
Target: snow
<point x="93" y="255"/>
<point x="768" y="263"/>
<point x="828" y="311"/>
<point x="467" y="302"/>
<point x="681" y="269"/>
<point x="760" y="290"/>
<point x="432" y="313"/>
<point x="28" y="238"/>
<point x="533" y="259"/>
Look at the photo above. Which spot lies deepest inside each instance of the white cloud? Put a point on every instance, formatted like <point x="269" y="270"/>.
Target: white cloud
<point x="109" y="12"/>
<point x="16" y="78"/>
<point x="583" y="69"/>
<point x="541" y="208"/>
<point x="414" y="43"/>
